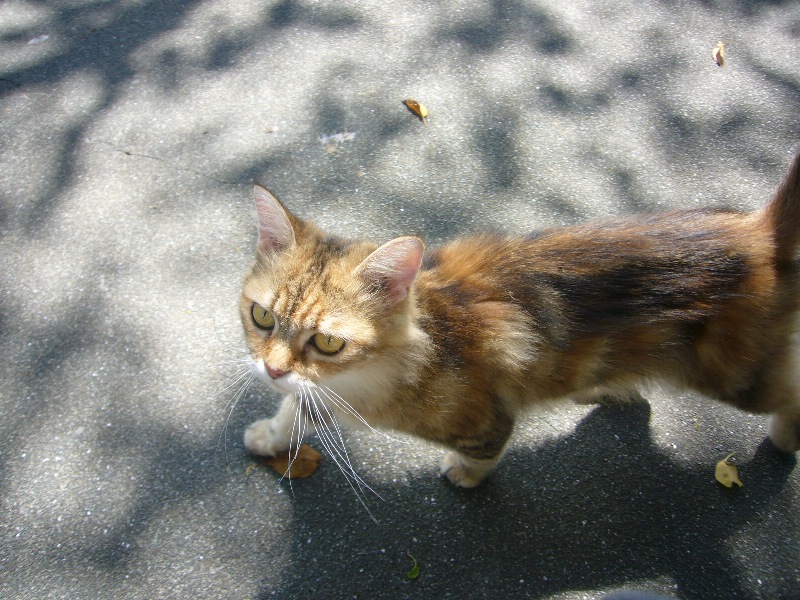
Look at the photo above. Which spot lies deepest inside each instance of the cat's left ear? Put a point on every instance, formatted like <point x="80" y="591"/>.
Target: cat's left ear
<point x="275" y="231"/>
<point x="393" y="267"/>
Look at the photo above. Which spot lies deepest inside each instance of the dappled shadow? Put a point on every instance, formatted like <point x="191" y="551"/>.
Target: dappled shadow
<point x="71" y="342"/>
<point x="102" y="40"/>
<point x="747" y="7"/>
<point x="105" y="46"/>
<point x="511" y="20"/>
<point x="96" y="39"/>
<point x="292" y="13"/>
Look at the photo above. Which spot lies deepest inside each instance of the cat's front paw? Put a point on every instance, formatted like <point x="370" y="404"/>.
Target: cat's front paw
<point x="265" y="438"/>
<point x="463" y="471"/>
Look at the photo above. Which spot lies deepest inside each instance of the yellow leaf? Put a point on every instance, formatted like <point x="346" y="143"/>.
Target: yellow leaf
<point x="296" y="464"/>
<point x="417" y="108"/>
<point x="718" y="54"/>
<point x="726" y="473"/>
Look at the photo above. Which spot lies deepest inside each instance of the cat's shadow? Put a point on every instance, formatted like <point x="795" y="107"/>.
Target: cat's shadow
<point x="610" y="506"/>
<point x="598" y="508"/>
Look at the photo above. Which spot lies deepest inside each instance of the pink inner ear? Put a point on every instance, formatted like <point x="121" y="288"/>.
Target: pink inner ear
<point x="394" y="266"/>
<point x="275" y="232"/>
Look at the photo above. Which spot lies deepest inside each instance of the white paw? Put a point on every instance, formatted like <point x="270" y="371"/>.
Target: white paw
<point x="463" y="471"/>
<point x="784" y="431"/>
<point x="264" y="438"/>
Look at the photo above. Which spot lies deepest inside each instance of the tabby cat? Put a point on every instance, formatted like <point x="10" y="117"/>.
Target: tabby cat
<point x="453" y="344"/>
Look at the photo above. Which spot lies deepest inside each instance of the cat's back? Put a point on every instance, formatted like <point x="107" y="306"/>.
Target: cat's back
<point x="677" y="265"/>
<point x="665" y="243"/>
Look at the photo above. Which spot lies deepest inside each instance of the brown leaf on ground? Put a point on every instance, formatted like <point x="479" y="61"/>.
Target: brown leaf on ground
<point x="417" y="108"/>
<point x="296" y="464"/>
<point x="718" y="54"/>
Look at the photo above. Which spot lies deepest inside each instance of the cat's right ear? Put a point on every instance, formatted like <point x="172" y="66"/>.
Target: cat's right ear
<point x="275" y="232"/>
<point x="393" y="267"/>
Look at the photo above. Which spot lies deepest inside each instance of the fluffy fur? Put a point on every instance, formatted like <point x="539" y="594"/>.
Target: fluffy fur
<point x="453" y="345"/>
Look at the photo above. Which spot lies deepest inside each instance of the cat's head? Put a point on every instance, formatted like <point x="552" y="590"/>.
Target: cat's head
<point x="315" y="307"/>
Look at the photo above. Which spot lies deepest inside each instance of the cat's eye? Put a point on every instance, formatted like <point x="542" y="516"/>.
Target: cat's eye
<point x="262" y="317"/>
<point x="327" y="344"/>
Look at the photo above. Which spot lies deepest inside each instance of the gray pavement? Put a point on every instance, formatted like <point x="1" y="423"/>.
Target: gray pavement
<point x="130" y="132"/>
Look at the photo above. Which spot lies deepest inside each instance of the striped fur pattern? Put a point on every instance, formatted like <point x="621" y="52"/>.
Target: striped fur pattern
<point x="453" y="344"/>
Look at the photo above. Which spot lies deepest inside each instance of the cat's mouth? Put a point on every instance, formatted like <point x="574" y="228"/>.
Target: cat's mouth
<point x="285" y="382"/>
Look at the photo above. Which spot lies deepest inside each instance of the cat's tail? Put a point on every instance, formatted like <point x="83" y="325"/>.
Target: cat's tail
<point x="783" y="214"/>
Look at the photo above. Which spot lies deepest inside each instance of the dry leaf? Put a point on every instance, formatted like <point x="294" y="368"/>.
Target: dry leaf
<point x="718" y="54"/>
<point x="417" y="108"/>
<point x="296" y="464"/>
<point x="726" y="473"/>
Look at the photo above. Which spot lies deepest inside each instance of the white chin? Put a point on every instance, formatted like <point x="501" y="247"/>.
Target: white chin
<point x="288" y="384"/>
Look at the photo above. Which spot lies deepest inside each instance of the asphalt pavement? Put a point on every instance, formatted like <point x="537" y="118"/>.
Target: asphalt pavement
<point x="130" y="134"/>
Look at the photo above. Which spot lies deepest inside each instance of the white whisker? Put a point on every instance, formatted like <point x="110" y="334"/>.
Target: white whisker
<point x="296" y="436"/>
<point x="235" y="380"/>
<point x="344" y="406"/>
<point x="341" y="450"/>
<point x="298" y="426"/>
<point x="348" y="408"/>
<point x="328" y="439"/>
<point x="334" y="421"/>
<point x="337" y="450"/>
<point x="243" y="379"/>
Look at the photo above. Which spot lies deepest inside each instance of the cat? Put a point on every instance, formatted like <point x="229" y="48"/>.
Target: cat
<point x="453" y="344"/>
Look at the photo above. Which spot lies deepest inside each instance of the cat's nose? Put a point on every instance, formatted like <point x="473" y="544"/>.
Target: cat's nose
<point x="275" y="373"/>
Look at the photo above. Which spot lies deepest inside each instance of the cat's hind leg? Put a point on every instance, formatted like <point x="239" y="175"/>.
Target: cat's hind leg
<point x="775" y="390"/>
<point x="784" y="424"/>
<point x="271" y="437"/>
<point x="784" y="430"/>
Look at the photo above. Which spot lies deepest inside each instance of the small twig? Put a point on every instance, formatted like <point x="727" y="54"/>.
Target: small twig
<point x="166" y="162"/>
